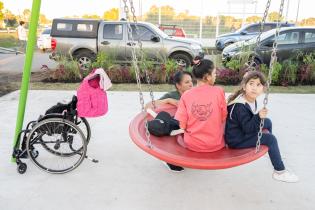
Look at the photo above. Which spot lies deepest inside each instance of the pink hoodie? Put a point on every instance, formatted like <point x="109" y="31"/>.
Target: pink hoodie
<point x="92" y="99"/>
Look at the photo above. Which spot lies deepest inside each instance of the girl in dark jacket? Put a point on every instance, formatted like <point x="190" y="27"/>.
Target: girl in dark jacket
<point x="243" y="122"/>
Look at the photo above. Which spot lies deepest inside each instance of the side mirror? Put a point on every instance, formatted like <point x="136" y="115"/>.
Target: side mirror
<point x="244" y="32"/>
<point x="155" y="38"/>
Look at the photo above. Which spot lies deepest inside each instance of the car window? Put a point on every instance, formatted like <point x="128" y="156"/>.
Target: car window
<point x="309" y="37"/>
<point x="64" y="27"/>
<point x="113" y="31"/>
<point x="85" y="27"/>
<point x="268" y="27"/>
<point x="288" y="38"/>
<point x="144" y="33"/>
<point x="169" y="32"/>
<point x="253" y="29"/>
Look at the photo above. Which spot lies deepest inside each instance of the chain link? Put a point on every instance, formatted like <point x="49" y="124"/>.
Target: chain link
<point x="136" y="66"/>
<point x="271" y="68"/>
<point x="262" y="25"/>
<point x="142" y="52"/>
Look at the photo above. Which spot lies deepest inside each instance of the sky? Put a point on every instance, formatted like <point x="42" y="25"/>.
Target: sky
<point x="60" y="8"/>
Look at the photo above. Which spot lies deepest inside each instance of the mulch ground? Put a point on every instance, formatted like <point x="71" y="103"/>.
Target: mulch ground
<point x="8" y="81"/>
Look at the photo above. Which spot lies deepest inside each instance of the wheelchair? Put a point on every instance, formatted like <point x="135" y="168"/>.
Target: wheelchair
<point x="56" y="142"/>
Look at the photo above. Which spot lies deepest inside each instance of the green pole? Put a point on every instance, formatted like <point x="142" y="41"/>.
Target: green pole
<point x="32" y="36"/>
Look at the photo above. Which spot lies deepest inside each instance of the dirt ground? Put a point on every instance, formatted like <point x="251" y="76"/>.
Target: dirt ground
<point x="8" y="81"/>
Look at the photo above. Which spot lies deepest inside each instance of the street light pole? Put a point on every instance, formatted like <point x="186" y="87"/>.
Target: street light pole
<point x="200" y="24"/>
<point x="297" y="13"/>
<point x="287" y="12"/>
<point x="159" y="15"/>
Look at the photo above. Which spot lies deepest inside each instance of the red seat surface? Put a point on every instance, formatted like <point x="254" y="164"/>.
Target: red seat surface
<point x="168" y="150"/>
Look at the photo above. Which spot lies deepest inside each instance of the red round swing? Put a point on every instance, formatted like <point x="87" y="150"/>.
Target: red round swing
<point x="167" y="149"/>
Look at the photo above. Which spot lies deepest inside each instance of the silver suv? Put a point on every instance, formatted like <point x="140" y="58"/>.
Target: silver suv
<point x="83" y="39"/>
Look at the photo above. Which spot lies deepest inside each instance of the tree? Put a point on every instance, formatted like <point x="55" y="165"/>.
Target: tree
<point x="86" y="16"/>
<point x="112" y="14"/>
<point x="308" y="22"/>
<point x="26" y="15"/>
<point x="182" y="16"/>
<point x="10" y="19"/>
<point x="1" y="12"/>
<point x="253" y="19"/>
<point x="167" y="14"/>
<point x="274" y="17"/>
<point x="43" y="20"/>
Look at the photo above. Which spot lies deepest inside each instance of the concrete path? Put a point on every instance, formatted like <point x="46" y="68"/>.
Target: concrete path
<point x="128" y="178"/>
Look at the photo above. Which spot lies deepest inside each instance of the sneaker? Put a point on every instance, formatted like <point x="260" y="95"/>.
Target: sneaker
<point x="176" y="132"/>
<point x="151" y="112"/>
<point x="173" y="168"/>
<point x="285" y="176"/>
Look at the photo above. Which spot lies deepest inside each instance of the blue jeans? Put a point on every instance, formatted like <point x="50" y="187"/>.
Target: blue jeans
<point x="270" y="141"/>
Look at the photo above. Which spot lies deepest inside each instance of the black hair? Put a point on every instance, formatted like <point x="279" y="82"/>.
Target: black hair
<point x="202" y="67"/>
<point x="178" y="77"/>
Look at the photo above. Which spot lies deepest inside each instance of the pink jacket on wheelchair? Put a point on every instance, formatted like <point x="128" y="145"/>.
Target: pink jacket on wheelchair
<point x="92" y="99"/>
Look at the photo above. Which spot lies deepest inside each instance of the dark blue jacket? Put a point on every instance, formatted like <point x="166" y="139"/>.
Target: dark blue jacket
<point x="241" y="122"/>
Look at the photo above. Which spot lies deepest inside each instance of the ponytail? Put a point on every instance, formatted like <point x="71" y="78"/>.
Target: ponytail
<point x="236" y="94"/>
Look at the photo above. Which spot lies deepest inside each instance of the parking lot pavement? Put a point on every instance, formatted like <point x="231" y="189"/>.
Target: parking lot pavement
<point x="128" y="178"/>
<point x="12" y="63"/>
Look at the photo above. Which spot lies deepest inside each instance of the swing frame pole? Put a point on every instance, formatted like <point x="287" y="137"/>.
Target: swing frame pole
<point x="31" y="41"/>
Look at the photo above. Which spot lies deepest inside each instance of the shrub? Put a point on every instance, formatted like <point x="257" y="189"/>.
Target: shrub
<point x="66" y="71"/>
<point x="228" y="77"/>
<point x="120" y="74"/>
<point x="307" y="70"/>
<point x="289" y="73"/>
<point x="102" y="60"/>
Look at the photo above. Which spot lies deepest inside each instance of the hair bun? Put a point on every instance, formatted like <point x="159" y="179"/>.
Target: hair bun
<point x="197" y="61"/>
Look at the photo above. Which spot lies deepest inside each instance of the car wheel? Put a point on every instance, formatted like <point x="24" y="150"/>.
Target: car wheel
<point x="84" y="58"/>
<point x="181" y="59"/>
<point x="256" y="62"/>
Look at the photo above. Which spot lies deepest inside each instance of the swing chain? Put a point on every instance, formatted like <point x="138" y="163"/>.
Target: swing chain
<point x="258" y="39"/>
<point x="142" y="52"/>
<point x="137" y="71"/>
<point x="271" y="68"/>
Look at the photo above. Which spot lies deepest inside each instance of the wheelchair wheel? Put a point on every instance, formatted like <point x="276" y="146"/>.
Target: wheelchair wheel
<point x="81" y="122"/>
<point x="60" y="145"/>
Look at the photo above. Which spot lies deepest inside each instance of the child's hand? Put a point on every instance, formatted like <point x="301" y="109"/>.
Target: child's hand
<point x="263" y="113"/>
<point x="148" y="106"/>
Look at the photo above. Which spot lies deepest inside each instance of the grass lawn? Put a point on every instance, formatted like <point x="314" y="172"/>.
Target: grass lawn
<point x="8" y="40"/>
<point x="159" y="88"/>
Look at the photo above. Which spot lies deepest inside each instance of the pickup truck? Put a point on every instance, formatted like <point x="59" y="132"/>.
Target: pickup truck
<point x="83" y="39"/>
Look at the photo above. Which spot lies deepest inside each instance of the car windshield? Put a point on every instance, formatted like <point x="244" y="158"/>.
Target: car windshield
<point x="159" y="31"/>
<point x="241" y="29"/>
<point x="263" y="36"/>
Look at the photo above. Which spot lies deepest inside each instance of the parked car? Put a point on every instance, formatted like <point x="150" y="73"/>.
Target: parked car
<point x="292" y="40"/>
<point x="83" y="39"/>
<point x="245" y="33"/>
<point x="173" y="30"/>
<point x="44" y="40"/>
